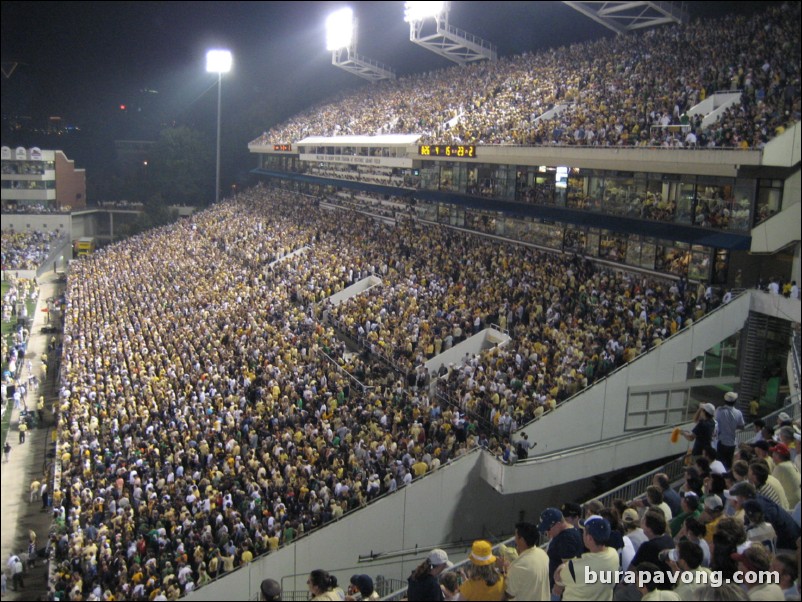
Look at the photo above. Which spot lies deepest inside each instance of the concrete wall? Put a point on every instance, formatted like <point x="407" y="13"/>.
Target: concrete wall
<point x="599" y="412"/>
<point x="474" y="497"/>
<point x="355" y="289"/>
<point x="445" y="506"/>
<point x="487" y="338"/>
<point x="300" y="251"/>
<point x="778" y="231"/>
<point x="576" y="465"/>
<point x="47" y="222"/>
<point x="785" y="150"/>
<point x="776" y="306"/>
<point x="651" y="160"/>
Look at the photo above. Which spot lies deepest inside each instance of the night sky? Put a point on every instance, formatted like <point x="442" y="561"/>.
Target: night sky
<point x="82" y="60"/>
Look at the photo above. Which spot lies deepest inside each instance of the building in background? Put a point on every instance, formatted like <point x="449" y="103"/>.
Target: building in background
<point x="38" y="180"/>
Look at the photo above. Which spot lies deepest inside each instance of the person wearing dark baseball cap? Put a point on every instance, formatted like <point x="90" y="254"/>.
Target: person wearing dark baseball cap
<point x="565" y="542"/>
<point x="362" y="588"/>
<point x="270" y="590"/>
<point x="570" y="577"/>
<point x="784" y="525"/>
<point x="572" y="512"/>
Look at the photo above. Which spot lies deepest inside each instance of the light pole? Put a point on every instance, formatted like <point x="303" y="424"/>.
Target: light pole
<point x="218" y="61"/>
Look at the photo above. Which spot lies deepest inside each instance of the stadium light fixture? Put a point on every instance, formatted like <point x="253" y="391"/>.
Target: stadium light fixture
<point x="419" y="11"/>
<point x="429" y="27"/>
<point x="218" y="61"/>
<point x="340" y="29"/>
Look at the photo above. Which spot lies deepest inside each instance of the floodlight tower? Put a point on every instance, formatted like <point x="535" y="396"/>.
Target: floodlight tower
<point x="341" y="41"/>
<point x="218" y="61"/>
<point x="446" y="40"/>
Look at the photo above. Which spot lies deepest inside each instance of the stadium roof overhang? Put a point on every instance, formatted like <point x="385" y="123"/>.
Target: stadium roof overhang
<point x="381" y="140"/>
<point x="623" y="17"/>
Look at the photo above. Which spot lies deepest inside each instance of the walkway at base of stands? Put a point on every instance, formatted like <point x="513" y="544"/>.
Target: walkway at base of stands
<point x="28" y="462"/>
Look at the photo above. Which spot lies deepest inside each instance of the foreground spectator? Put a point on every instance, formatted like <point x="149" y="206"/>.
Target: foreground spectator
<point x="482" y="579"/>
<point x="756" y="559"/>
<point x="528" y="575"/>
<point x="323" y="586"/>
<point x="570" y="578"/>
<point x="423" y="583"/>
<point x="565" y="541"/>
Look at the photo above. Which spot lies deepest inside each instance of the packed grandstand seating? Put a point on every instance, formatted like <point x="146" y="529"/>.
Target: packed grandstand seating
<point x="619" y="91"/>
<point x="206" y="413"/>
<point x="26" y="250"/>
<point x="210" y="410"/>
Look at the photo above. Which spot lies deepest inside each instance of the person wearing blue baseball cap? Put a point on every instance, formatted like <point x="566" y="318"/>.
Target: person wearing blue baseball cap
<point x="565" y="541"/>
<point x="579" y="579"/>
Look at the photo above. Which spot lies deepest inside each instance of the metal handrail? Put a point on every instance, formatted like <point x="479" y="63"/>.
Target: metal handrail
<point x="636" y="486"/>
<point x="334" y="362"/>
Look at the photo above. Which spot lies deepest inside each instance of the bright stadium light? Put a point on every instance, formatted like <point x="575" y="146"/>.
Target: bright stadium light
<point x="219" y="62"/>
<point x="340" y="29"/>
<point x="429" y="27"/>
<point x="418" y="11"/>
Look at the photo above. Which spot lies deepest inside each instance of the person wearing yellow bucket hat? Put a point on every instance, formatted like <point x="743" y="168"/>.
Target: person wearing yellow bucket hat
<point x="483" y="580"/>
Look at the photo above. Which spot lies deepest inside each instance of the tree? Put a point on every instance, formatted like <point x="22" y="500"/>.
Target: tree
<point x="181" y="168"/>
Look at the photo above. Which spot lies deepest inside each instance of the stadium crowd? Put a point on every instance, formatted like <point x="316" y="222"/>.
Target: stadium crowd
<point x="718" y="535"/>
<point x="201" y="419"/>
<point x="25" y="250"/>
<point x="571" y="322"/>
<point x="618" y="91"/>
<point x="206" y="416"/>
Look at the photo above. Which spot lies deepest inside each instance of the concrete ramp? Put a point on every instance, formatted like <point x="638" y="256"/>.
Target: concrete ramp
<point x="300" y="251"/>
<point x="551" y="113"/>
<point x="486" y="339"/>
<point x="778" y="231"/>
<point x="606" y="403"/>
<point x="355" y="289"/>
<point x="712" y="107"/>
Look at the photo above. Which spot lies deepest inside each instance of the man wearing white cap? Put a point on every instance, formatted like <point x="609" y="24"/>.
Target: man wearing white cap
<point x="423" y="583"/>
<point x="729" y="420"/>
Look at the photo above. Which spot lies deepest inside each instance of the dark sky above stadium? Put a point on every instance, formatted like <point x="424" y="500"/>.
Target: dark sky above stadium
<point x="83" y="60"/>
<point x="78" y="58"/>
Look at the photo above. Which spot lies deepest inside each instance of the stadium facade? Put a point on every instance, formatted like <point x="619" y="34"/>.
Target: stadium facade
<point x="734" y="219"/>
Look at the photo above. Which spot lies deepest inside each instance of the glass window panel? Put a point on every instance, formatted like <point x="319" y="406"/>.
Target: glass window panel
<point x="574" y="240"/>
<point x="685" y="192"/>
<point x="699" y="266"/>
<point x="673" y="259"/>
<point x="633" y="251"/>
<point x="592" y="244"/>
<point x="647" y="255"/>
<point x="613" y="247"/>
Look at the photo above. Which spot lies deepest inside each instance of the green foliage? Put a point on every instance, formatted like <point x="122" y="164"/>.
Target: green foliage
<point x="181" y="168"/>
<point x="156" y="214"/>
